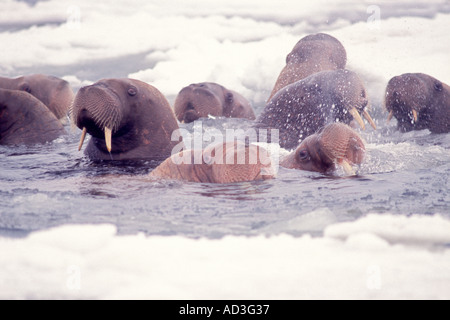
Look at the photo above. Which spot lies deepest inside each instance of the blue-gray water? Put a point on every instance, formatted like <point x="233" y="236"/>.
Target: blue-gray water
<point x="54" y="184"/>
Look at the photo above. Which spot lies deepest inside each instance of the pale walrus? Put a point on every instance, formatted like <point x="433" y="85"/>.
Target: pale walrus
<point x="302" y="108"/>
<point x="201" y="100"/>
<point x="26" y="120"/>
<point x="220" y="163"/>
<point x="418" y="101"/>
<point x="312" y="54"/>
<point x="335" y="145"/>
<point x="127" y="119"/>
<point x="54" y="92"/>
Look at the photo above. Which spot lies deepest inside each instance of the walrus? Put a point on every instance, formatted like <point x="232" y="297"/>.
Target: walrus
<point x="127" y="119"/>
<point x="200" y="100"/>
<point x="312" y="54"/>
<point x="418" y="101"/>
<point x="335" y="145"/>
<point x="54" y="92"/>
<point x="25" y="120"/>
<point x="225" y="162"/>
<point x="302" y="108"/>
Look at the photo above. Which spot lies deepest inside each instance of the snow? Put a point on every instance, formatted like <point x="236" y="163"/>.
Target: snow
<point x="376" y="257"/>
<point x="242" y="45"/>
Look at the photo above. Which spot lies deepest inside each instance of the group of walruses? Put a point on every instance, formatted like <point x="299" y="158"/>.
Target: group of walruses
<point x="312" y="104"/>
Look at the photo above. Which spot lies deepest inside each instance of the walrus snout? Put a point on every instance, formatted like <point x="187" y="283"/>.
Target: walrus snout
<point x="190" y="115"/>
<point x="196" y="101"/>
<point x="342" y="144"/>
<point x="96" y="110"/>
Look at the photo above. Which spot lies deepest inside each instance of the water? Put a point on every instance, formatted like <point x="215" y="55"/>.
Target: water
<point x="49" y="185"/>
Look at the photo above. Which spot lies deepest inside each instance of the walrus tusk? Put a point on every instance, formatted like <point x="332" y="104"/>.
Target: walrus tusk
<point x="391" y="114"/>
<point x="108" y="138"/>
<point x="415" y="115"/>
<point x="347" y="168"/>
<point x="367" y="116"/>
<point x="357" y="117"/>
<point x="83" y="136"/>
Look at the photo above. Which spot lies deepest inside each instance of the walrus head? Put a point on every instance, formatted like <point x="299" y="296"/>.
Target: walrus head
<point x="54" y="92"/>
<point x="312" y="54"/>
<point x="303" y="107"/>
<point x="201" y="100"/>
<point x="226" y="162"/>
<point x="336" y="144"/>
<point x="321" y="48"/>
<point x="128" y="119"/>
<point x="99" y="110"/>
<point x="418" y="101"/>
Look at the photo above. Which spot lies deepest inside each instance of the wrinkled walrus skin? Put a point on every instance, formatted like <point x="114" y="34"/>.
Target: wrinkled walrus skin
<point x="226" y="162"/>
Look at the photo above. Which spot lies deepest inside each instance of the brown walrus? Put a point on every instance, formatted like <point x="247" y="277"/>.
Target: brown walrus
<point x="205" y="99"/>
<point x="335" y="145"/>
<point x="54" y="92"/>
<point x="418" y="101"/>
<point x="26" y="120"/>
<point x="312" y="54"/>
<point x="302" y="108"/>
<point x="127" y="119"/>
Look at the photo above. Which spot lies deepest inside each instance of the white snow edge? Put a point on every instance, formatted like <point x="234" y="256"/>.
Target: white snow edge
<point x="375" y="257"/>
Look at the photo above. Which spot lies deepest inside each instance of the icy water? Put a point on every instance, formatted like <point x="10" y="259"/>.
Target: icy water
<point x="49" y="185"/>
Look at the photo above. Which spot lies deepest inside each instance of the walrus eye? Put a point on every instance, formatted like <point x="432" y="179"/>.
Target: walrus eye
<point x="25" y="87"/>
<point x="438" y="86"/>
<point x="303" y="155"/>
<point x="132" y="91"/>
